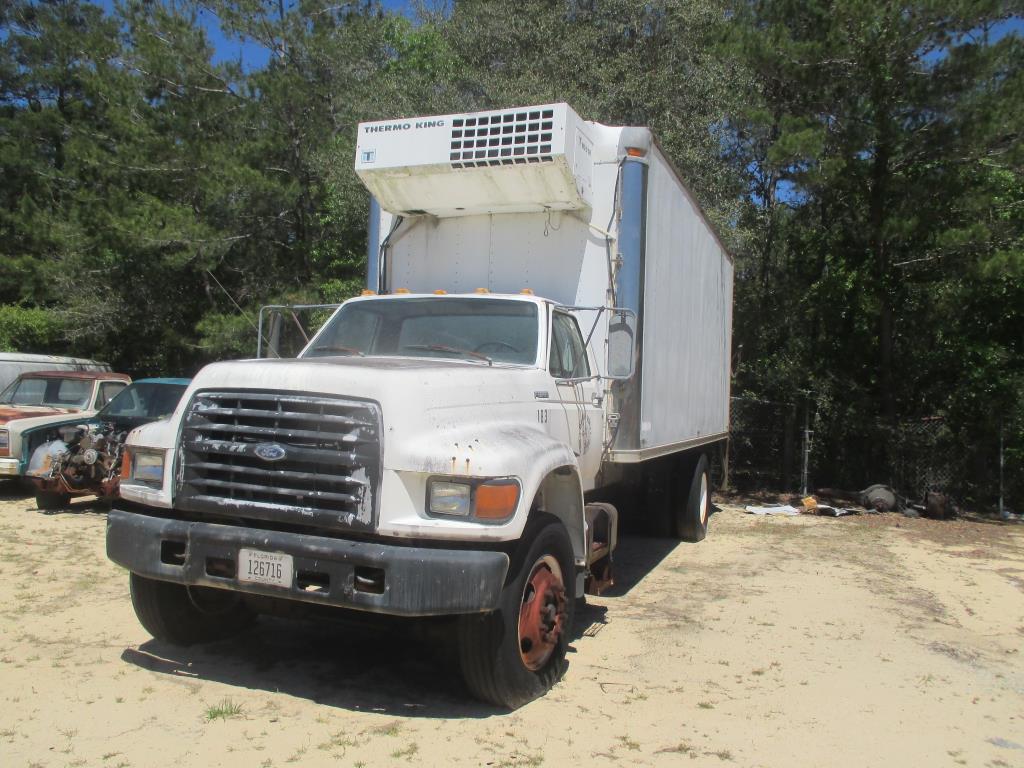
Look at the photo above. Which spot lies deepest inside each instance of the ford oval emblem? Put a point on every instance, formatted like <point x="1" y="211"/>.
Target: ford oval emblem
<point x="270" y="451"/>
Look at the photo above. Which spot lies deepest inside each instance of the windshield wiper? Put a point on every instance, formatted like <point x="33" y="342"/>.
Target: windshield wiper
<point x="339" y="348"/>
<point x="443" y="348"/>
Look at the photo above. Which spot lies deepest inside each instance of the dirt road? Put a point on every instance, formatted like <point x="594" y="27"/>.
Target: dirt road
<point x="872" y="641"/>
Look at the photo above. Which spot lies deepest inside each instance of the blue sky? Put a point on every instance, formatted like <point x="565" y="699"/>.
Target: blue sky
<point x="227" y="48"/>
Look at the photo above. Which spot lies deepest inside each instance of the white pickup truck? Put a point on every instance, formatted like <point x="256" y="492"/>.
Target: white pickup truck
<point x="546" y="330"/>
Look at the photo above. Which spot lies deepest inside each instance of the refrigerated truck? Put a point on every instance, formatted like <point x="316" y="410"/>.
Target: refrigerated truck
<point x="542" y="348"/>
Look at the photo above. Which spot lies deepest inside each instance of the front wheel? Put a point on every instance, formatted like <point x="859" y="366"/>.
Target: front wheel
<point x="181" y="615"/>
<point x="516" y="653"/>
<point x="50" y="501"/>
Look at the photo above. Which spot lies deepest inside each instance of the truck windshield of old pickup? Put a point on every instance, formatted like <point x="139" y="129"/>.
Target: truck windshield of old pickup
<point x="485" y="330"/>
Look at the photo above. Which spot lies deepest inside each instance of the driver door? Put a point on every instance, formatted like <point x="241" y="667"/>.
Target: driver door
<point x="577" y="388"/>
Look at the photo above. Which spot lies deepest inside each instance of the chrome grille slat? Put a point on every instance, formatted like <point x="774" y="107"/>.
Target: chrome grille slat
<point x="264" y="414"/>
<point x="281" y="432"/>
<point x="281" y="473"/>
<point x="292" y="492"/>
<point x="295" y="458"/>
<point x="228" y="448"/>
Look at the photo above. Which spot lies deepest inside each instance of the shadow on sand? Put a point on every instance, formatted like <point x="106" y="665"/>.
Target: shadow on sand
<point x="397" y="667"/>
<point x="23" y="490"/>
<point x="392" y="669"/>
<point x="11" y="490"/>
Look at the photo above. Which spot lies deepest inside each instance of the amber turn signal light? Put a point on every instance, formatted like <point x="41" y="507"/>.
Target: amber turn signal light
<point x="496" y="501"/>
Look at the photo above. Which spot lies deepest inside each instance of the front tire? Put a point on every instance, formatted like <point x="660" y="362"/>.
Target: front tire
<point x="514" y="654"/>
<point x="51" y="501"/>
<point x="183" y="615"/>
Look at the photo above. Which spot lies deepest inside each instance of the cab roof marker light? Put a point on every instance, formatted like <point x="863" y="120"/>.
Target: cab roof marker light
<point x="440" y="292"/>
<point x="482" y="290"/>
<point x="368" y="292"/>
<point x="527" y="291"/>
<point x="401" y="290"/>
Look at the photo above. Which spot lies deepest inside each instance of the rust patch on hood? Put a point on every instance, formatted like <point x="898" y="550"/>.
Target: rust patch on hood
<point x="29" y="411"/>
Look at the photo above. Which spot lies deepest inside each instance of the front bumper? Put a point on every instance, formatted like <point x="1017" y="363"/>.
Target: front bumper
<point x="417" y="581"/>
<point x="10" y="467"/>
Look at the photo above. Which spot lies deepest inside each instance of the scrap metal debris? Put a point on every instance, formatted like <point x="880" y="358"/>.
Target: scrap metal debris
<point x="880" y="498"/>
<point x="827" y="511"/>
<point x="784" y="509"/>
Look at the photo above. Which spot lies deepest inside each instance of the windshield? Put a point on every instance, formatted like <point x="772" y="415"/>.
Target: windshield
<point x="471" y="329"/>
<point x="144" y="401"/>
<point x="57" y="393"/>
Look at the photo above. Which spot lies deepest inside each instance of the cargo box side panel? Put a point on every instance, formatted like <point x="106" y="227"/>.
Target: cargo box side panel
<point x="687" y="330"/>
<point x="556" y="255"/>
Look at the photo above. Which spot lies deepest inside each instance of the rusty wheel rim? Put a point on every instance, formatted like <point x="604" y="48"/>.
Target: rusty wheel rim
<point x="541" y="613"/>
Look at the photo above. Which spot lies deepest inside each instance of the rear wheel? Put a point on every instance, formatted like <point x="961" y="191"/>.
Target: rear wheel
<point x="49" y="501"/>
<point x="517" y="652"/>
<point x="691" y="518"/>
<point x="182" y="615"/>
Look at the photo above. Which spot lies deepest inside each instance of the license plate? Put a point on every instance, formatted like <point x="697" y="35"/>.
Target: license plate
<point x="258" y="567"/>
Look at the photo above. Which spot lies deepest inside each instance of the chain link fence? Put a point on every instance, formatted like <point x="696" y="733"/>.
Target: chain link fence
<point x="765" y="444"/>
<point x="787" y="447"/>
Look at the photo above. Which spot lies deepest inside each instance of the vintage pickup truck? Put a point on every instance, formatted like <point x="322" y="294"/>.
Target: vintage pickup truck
<point x="42" y="397"/>
<point x="82" y="457"/>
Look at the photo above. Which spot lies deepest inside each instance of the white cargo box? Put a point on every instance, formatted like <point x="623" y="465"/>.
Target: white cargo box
<point x="599" y="219"/>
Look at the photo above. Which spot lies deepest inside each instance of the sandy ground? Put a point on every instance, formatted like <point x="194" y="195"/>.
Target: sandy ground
<point x="871" y="641"/>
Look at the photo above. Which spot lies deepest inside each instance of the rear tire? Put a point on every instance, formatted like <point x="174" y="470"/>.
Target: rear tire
<point x="514" y="654"/>
<point x="691" y="520"/>
<point x="51" y="501"/>
<point x="183" y="615"/>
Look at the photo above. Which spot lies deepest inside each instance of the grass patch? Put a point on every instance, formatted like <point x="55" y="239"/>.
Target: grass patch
<point x="338" y="741"/>
<point x="682" y="748"/>
<point x="407" y="753"/>
<point x="520" y="761"/>
<point x="385" y="729"/>
<point x="629" y="743"/>
<point x="225" y="710"/>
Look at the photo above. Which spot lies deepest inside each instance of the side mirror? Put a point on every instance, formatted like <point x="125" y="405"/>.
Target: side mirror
<point x="621" y="344"/>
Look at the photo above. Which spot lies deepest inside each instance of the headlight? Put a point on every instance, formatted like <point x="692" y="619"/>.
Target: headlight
<point x="5" y="440"/>
<point x="449" y="498"/>
<point x="483" y="499"/>
<point x="145" y="467"/>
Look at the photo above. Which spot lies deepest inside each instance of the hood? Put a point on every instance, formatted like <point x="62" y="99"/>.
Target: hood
<point x="12" y="412"/>
<point x="123" y="423"/>
<point x="432" y="409"/>
<point x="387" y="380"/>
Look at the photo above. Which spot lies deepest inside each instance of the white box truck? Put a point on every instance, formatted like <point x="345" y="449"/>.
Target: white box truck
<point x="544" y="341"/>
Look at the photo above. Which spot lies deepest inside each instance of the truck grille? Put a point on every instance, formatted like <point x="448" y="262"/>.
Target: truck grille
<point x="303" y="459"/>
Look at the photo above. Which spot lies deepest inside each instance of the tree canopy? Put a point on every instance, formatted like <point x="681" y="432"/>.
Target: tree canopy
<point x="861" y="158"/>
